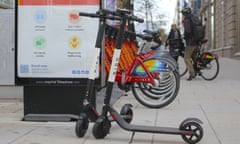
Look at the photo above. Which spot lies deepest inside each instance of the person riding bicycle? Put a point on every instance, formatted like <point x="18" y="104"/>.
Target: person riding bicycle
<point x="191" y="44"/>
<point x="174" y="42"/>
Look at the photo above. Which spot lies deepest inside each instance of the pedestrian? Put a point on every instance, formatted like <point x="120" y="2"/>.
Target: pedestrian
<point x="191" y="44"/>
<point x="174" y="41"/>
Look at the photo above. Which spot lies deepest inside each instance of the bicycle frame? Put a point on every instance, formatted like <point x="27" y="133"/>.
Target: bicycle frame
<point x="125" y="75"/>
<point x="138" y="60"/>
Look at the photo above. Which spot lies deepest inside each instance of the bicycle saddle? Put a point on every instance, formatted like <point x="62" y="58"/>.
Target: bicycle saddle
<point x="154" y="33"/>
<point x="203" y="41"/>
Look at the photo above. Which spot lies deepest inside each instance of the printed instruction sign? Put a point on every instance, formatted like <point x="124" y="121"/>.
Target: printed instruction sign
<point x="53" y="40"/>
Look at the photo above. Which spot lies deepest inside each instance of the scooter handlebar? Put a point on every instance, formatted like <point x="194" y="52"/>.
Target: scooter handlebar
<point x="98" y="15"/>
<point x="89" y="14"/>
<point x="114" y="15"/>
<point x="122" y="13"/>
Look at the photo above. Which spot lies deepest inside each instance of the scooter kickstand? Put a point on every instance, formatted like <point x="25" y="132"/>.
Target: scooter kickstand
<point x="133" y="133"/>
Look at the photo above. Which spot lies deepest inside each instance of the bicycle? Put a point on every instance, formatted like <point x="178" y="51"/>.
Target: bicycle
<point x="205" y="64"/>
<point x="138" y="74"/>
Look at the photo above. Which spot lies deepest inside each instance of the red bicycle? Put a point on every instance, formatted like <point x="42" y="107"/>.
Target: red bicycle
<point x="152" y="76"/>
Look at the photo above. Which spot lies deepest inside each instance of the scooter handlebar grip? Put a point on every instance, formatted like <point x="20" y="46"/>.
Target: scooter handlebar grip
<point x="88" y="14"/>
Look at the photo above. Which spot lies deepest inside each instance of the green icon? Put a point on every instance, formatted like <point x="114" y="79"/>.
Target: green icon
<point x="40" y="42"/>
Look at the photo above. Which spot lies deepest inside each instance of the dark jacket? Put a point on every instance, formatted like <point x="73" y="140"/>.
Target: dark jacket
<point x="188" y="32"/>
<point x="171" y="41"/>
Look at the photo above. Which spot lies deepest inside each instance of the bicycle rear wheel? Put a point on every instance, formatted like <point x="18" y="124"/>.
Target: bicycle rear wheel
<point x="181" y="66"/>
<point x="209" y="69"/>
<point x="161" y="95"/>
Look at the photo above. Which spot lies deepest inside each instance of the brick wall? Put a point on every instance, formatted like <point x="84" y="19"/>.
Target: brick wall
<point x="226" y="27"/>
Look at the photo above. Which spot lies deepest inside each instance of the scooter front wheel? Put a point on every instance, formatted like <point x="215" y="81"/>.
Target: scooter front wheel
<point x="193" y="127"/>
<point x="101" y="128"/>
<point x="81" y="127"/>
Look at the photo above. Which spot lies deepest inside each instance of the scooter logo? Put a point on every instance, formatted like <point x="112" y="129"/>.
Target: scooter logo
<point x="74" y="16"/>
<point x="74" y="42"/>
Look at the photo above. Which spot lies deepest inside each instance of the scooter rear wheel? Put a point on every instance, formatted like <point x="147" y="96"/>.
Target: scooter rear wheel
<point x="81" y="127"/>
<point x="127" y="113"/>
<point x="194" y="127"/>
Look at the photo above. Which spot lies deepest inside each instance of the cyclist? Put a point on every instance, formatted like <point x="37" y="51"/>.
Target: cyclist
<point x="174" y="42"/>
<point x="191" y="45"/>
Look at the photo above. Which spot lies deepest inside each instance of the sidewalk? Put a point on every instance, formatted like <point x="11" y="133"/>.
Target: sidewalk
<point x="216" y="103"/>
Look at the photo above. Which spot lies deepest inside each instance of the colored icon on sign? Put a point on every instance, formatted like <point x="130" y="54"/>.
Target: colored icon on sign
<point x="74" y="16"/>
<point x="40" y="42"/>
<point x="74" y="42"/>
<point x="40" y="16"/>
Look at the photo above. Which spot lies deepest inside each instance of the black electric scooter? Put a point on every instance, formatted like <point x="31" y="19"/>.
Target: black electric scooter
<point x="89" y="112"/>
<point x="190" y="129"/>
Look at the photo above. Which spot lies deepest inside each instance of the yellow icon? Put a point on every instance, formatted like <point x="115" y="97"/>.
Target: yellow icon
<point x="74" y="42"/>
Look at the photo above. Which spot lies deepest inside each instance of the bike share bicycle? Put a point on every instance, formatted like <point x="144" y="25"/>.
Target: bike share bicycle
<point x="205" y="64"/>
<point x="190" y="129"/>
<point x="168" y="85"/>
<point x="134" y="76"/>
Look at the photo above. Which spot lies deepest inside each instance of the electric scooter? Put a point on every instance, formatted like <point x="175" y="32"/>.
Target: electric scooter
<point x="89" y="112"/>
<point x="190" y="129"/>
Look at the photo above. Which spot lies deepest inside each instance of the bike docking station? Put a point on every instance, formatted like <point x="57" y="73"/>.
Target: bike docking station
<point x="190" y="129"/>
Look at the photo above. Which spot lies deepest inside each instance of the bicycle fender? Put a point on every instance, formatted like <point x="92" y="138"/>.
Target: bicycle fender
<point x="168" y="60"/>
<point x="209" y="55"/>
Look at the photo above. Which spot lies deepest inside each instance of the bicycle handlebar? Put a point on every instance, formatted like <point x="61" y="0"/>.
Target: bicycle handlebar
<point x="135" y="18"/>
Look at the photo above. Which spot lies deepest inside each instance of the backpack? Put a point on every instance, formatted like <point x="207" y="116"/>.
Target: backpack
<point x="197" y="29"/>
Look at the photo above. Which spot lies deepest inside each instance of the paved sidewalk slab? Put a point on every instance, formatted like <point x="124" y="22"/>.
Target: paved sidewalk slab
<point x="216" y="103"/>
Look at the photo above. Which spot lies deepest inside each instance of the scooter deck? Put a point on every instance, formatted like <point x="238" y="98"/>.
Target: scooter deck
<point x="148" y="129"/>
<point x="154" y="129"/>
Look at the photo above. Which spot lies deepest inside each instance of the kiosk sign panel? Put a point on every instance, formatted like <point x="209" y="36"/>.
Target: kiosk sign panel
<point x="53" y="41"/>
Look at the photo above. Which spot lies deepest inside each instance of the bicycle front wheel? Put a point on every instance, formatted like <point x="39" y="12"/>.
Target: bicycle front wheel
<point x="209" y="70"/>
<point x="161" y="95"/>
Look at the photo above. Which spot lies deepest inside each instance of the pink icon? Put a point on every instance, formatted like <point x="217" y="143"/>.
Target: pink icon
<point x="74" y="16"/>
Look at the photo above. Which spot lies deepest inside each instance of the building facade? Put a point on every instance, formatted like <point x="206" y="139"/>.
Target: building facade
<point x="223" y="26"/>
<point x="6" y="3"/>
